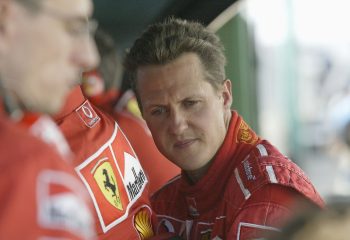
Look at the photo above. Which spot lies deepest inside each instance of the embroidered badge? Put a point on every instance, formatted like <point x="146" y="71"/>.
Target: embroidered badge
<point x="115" y="179"/>
<point x="192" y="206"/>
<point x="106" y="180"/>
<point x="248" y="170"/>
<point x="246" y="135"/>
<point x="143" y="223"/>
<point x="87" y="114"/>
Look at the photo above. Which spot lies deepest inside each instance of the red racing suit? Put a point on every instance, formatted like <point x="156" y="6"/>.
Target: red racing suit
<point x="109" y="168"/>
<point x="249" y="190"/>
<point x="40" y="195"/>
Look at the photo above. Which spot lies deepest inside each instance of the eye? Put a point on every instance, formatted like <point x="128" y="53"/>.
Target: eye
<point x="77" y="27"/>
<point x="157" y="111"/>
<point x="81" y="27"/>
<point x="190" y="103"/>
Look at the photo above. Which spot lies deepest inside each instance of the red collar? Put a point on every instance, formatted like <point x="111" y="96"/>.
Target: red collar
<point x="240" y="139"/>
<point x="107" y="100"/>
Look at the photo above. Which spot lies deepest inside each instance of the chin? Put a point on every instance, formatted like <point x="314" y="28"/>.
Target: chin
<point x="50" y="108"/>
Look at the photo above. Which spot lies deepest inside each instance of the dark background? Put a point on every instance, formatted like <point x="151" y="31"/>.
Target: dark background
<point x="126" y="19"/>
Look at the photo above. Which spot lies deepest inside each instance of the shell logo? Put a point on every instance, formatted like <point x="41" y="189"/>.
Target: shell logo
<point x="143" y="223"/>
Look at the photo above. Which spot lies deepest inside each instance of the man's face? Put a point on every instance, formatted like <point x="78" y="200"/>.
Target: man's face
<point x="188" y="118"/>
<point x="43" y="53"/>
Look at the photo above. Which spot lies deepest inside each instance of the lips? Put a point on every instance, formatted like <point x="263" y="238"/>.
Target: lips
<point x="184" y="143"/>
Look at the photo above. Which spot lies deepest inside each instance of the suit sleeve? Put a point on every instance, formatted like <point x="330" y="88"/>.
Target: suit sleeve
<point x="265" y="212"/>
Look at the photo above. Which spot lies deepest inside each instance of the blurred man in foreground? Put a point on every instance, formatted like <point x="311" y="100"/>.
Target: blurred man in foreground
<point x="234" y="184"/>
<point x="44" y="46"/>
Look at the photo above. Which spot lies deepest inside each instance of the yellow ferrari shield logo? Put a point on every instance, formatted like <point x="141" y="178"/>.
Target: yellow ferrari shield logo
<point x="106" y="180"/>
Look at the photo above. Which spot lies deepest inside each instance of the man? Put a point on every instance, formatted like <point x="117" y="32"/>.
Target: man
<point x="103" y="87"/>
<point x="234" y="184"/>
<point x="44" y="45"/>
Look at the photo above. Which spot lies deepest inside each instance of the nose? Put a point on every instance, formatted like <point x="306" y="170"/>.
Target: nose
<point x="178" y="122"/>
<point x="85" y="55"/>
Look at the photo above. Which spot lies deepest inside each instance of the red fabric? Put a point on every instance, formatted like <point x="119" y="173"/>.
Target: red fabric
<point x="238" y="198"/>
<point x="39" y="190"/>
<point x="107" y="164"/>
<point x="105" y="101"/>
<point x="158" y="168"/>
<point x="43" y="127"/>
<point x="29" y="118"/>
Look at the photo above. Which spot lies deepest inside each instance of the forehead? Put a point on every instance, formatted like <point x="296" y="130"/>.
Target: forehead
<point x="186" y="69"/>
<point x="180" y="78"/>
<point x="70" y="7"/>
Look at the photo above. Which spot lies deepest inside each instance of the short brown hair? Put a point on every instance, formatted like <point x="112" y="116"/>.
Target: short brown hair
<point x="163" y="42"/>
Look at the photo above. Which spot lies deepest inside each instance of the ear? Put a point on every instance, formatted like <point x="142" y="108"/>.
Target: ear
<point x="227" y="93"/>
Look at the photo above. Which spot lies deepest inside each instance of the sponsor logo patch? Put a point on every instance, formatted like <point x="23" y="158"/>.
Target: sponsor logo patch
<point x="106" y="180"/>
<point x="143" y="223"/>
<point x="114" y="178"/>
<point x="246" y="135"/>
<point x="248" y="170"/>
<point x="192" y="206"/>
<point x="87" y="114"/>
<point x="61" y="204"/>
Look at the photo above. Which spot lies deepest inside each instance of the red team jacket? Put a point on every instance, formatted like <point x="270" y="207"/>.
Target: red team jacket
<point x="109" y="168"/>
<point x="249" y="189"/>
<point x="40" y="194"/>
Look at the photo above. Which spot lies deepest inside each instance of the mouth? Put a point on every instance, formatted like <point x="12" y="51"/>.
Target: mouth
<point x="184" y="143"/>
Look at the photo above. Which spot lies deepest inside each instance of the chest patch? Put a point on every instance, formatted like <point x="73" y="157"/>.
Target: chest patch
<point x="114" y="178"/>
<point x="87" y="114"/>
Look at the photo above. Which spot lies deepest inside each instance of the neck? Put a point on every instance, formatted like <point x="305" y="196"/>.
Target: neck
<point x="195" y="175"/>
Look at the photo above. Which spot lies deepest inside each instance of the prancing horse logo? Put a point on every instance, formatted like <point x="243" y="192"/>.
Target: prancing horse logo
<point x="106" y="180"/>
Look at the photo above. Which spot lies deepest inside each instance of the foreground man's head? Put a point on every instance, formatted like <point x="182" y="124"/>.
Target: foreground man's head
<point x="44" y="47"/>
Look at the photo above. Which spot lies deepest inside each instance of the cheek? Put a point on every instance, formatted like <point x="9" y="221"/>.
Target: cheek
<point x="158" y="132"/>
<point x="52" y="52"/>
<point x="155" y="130"/>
